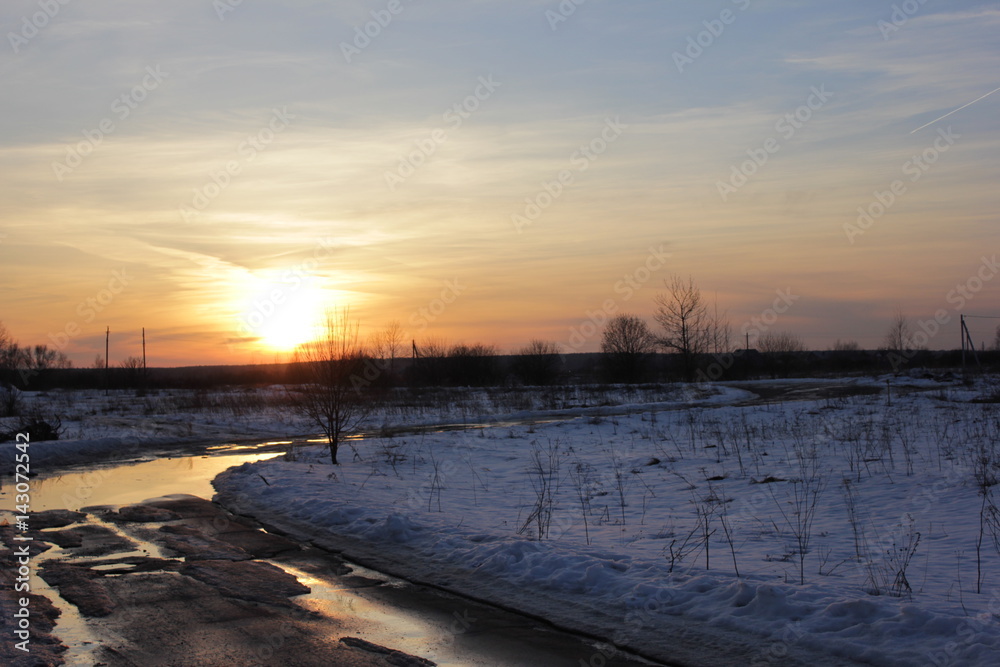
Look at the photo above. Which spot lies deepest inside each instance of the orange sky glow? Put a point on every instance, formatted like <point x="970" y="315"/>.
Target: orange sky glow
<point x="223" y="183"/>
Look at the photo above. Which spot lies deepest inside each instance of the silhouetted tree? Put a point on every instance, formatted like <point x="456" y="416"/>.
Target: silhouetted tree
<point x="781" y="350"/>
<point x="18" y="364"/>
<point x="537" y="363"/>
<point x="334" y="398"/>
<point x="718" y="339"/>
<point x="627" y="344"/>
<point x="429" y="367"/>
<point x="779" y="342"/>
<point x="685" y="320"/>
<point x="131" y="369"/>
<point x="41" y="358"/>
<point x="899" y="335"/>
<point x="473" y="365"/>
<point x="10" y="397"/>
<point x="11" y="354"/>
<point x="387" y="344"/>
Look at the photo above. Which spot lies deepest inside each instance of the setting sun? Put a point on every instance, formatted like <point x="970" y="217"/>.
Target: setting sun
<point x="283" y="314"/>
<point x="295" y="324"/>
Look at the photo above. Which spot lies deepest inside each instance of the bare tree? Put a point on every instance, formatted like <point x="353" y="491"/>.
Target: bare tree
<point x="996" y="340"/>
<point x="388" y="343"/>
<point x="685" y="320"/>
<point x="626" y="343"/>
<point x="11" y="354"/>
<point x="131" y="363"/>
<point x="720" y="332"/>
<point x="779" y="342"/>
<point x="10" y="397"/>
<point x="845" y="346"/>
<point x="6" y="342"/>
<point x="333" y="398"/>
<point x="473" y="365"/>
<point x="900" y="333"/>
<point x="24" y="362"/>
<point x="537" y="363"/>
<point x="430" y="365"/>
<point x="132" y="371"/>
<point x="781" y="351"/>
<point x="432" y="348"/>
<point x="42" y="357"/>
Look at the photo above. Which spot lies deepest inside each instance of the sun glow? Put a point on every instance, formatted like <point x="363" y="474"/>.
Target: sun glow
<point x="282" y="314"/>
<point x="294" y="322"/>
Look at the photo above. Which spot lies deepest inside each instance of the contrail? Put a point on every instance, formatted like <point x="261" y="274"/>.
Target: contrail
<point x="956" y="110"/>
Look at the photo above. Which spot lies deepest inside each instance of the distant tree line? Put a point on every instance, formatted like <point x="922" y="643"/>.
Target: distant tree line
<point x="693" y="341"/>
<point x="28" y="358"/>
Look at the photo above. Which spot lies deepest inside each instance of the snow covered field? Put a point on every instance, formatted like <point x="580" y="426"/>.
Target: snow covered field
<point x="122" y="426"/>
<point x="679" y="521"/>
<point x="861" y="528"/>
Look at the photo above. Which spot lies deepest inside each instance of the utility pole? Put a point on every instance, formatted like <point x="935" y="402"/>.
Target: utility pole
<point x="968" y="344"/>
<point x="961" y="319"/>
<point x="107" y="362"/>
<point x="144" y="361"/>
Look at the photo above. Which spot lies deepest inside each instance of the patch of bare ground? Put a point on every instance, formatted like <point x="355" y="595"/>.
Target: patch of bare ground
<point x="207" y="602"/>
<point x="44" y="649"/>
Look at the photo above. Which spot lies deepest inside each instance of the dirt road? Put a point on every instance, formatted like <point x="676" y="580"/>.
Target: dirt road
<point x="179" y="581"/>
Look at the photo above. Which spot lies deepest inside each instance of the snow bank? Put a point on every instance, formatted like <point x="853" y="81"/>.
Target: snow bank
<point x="457" y="509"/>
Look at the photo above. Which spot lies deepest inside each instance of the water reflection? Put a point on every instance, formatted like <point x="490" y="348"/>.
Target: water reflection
<point x="119" y="484"/>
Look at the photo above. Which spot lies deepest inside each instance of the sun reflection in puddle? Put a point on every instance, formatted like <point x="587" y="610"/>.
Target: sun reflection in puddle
<point x="369" y="619"/>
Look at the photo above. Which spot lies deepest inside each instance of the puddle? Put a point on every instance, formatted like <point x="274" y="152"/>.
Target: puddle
<point x="244" y="447"/>
<point x="114" y="484"/>
<point x="114" y="567"/>
<point x="369" y="619"/>
<point x="125" y="484"/>
<point x="70" y="627"/>
<point x="368" y="604"/>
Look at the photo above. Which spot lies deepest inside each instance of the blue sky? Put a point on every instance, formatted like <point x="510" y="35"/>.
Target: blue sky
<point x="253" y="175"/>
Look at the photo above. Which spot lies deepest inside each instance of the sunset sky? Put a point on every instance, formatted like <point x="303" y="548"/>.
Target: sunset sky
<point x="220" y="172"/>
